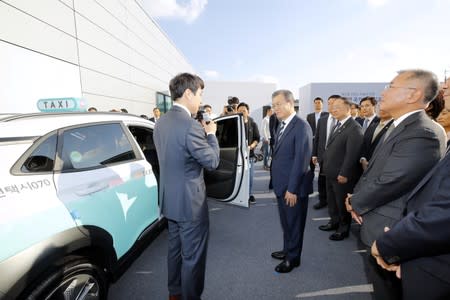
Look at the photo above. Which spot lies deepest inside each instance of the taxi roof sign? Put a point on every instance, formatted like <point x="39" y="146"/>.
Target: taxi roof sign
<point x="61" y="104"/>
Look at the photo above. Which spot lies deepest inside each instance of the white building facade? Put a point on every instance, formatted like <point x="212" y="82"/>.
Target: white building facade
<point x="354" y="91"/>
<point x="110" y="53"/>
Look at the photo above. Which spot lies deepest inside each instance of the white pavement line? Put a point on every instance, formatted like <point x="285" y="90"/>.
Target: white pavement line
<point x="364" y="288"/>
<point x="321" y="219"/>
<point x="360" y="251"/>
<point x="215" y="208"/>
<point x="144" y="272"/>
<point x="266" y="195"/>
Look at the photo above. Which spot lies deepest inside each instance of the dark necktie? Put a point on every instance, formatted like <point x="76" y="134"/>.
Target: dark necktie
<point x="336" y="127"/>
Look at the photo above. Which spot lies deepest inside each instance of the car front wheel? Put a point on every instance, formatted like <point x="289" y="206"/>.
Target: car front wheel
<point x="77" y="279"/>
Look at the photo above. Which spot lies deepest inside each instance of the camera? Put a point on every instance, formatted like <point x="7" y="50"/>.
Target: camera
<point x="232" y="104"/>
<point x="202" y="115"/>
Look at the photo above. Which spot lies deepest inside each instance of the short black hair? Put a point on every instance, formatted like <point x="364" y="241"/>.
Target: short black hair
<point x="318" y="98"/>
<point x="207" y="105"/>
<point x="372" y="100"/>
<point x="243" y="104"/>
<point x="435" y="107"/>
<point x="182" y="82"/>
<point x="334" y="97"/>
<point x="124" y="110"/>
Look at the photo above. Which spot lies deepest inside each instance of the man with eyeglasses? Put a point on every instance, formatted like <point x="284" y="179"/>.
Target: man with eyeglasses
<point x="411" y="147"/>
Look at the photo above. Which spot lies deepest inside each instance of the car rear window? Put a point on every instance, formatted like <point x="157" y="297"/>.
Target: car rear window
<point x="94" y="146"/>
<point x="42" y="158"/>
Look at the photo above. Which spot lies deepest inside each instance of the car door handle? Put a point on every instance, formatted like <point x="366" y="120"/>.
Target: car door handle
<point x="92" y="189"/>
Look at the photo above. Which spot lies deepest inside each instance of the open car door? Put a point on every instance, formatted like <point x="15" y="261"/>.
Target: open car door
<point x="230" y="181"/>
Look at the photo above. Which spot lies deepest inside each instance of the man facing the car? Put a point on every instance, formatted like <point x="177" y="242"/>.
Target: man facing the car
<point x="184" y="148"/>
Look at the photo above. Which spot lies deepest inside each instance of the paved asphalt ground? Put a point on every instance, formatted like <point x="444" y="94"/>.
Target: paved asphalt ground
<point x="239" y="265"/>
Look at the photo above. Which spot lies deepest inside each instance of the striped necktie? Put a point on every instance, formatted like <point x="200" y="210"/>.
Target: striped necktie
<point x="280" y="133"/>
<point x="365" y="124"/>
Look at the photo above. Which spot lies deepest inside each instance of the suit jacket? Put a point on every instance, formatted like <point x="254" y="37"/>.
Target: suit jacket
<point x="396" y="166"/>
<point x="341" y="156"/>
<point x="290" y="160"/>
<point x="311" y="118"/>
<point x="273" y="125"/>
<point x="183" y="152"/>
<point x="369" y="145"/>
<point x="368" y="134"/>
<point x="422" y="237"/>
<point x="359" y="120"/>
<point x="320" y="139"/>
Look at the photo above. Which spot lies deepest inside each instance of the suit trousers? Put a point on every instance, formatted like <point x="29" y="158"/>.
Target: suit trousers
<point x="419" y="284"/>
<point x="293" y="221"/>
<point x="336" y="194"/>
<point x="322" y="187"/>
<point x="186" y="259"/>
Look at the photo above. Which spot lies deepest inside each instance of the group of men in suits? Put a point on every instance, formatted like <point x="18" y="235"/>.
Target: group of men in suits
<point x="396" y="195"/>
<point x="342" y="146"/>
<point x="395" y="150"/>
<point x="417" y="247"/>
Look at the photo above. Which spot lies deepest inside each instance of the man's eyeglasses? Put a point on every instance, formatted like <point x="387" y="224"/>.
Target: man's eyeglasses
<point x="390" y="86"/>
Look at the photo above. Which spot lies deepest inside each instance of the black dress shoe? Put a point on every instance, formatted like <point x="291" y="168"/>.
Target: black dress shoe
<point x="286" y="266"/>
<point x="319" y="205"/>
<point x="279" y="255"/>
<point x="339" y="236"/>
<point x="328" y="227"/>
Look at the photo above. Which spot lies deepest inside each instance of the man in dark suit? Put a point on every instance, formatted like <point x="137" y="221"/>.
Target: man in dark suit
<point x="324" y="127"/>
<point x="420" y="242"/>
<point x="314" y="117"/>
<point x="369" y="124"/>
<point x="407" y="153"/>
<point x="156" y="115"/>
<point x="376" y="134"/>
<point x="184" y="148"/>
<point x="368" y="105"/>
<point x="340" y="165"/>
<point x="292" y="178"/>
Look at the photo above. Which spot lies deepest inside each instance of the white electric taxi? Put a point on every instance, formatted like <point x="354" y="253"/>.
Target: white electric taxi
<point x="79" y="198"/>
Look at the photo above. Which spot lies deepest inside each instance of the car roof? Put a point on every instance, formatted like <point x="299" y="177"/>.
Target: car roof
<point x="38" y="124"/>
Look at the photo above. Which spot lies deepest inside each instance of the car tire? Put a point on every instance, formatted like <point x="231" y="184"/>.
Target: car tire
<point x="77" y="276"/>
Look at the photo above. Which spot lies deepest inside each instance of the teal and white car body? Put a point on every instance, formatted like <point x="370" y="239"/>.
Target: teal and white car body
<point x="79" y="194"/>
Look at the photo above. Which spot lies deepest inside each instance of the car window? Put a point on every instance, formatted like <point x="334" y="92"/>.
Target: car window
<point x="227" y="133"/>
<point x="95" y="146"/>
<point x="42" y="158"/>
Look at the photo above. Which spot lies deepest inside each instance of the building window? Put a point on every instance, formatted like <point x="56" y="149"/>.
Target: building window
<point x="163" y="102"/>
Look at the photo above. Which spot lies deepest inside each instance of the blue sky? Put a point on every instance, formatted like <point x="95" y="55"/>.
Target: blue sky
<point x="295" y="42"/>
